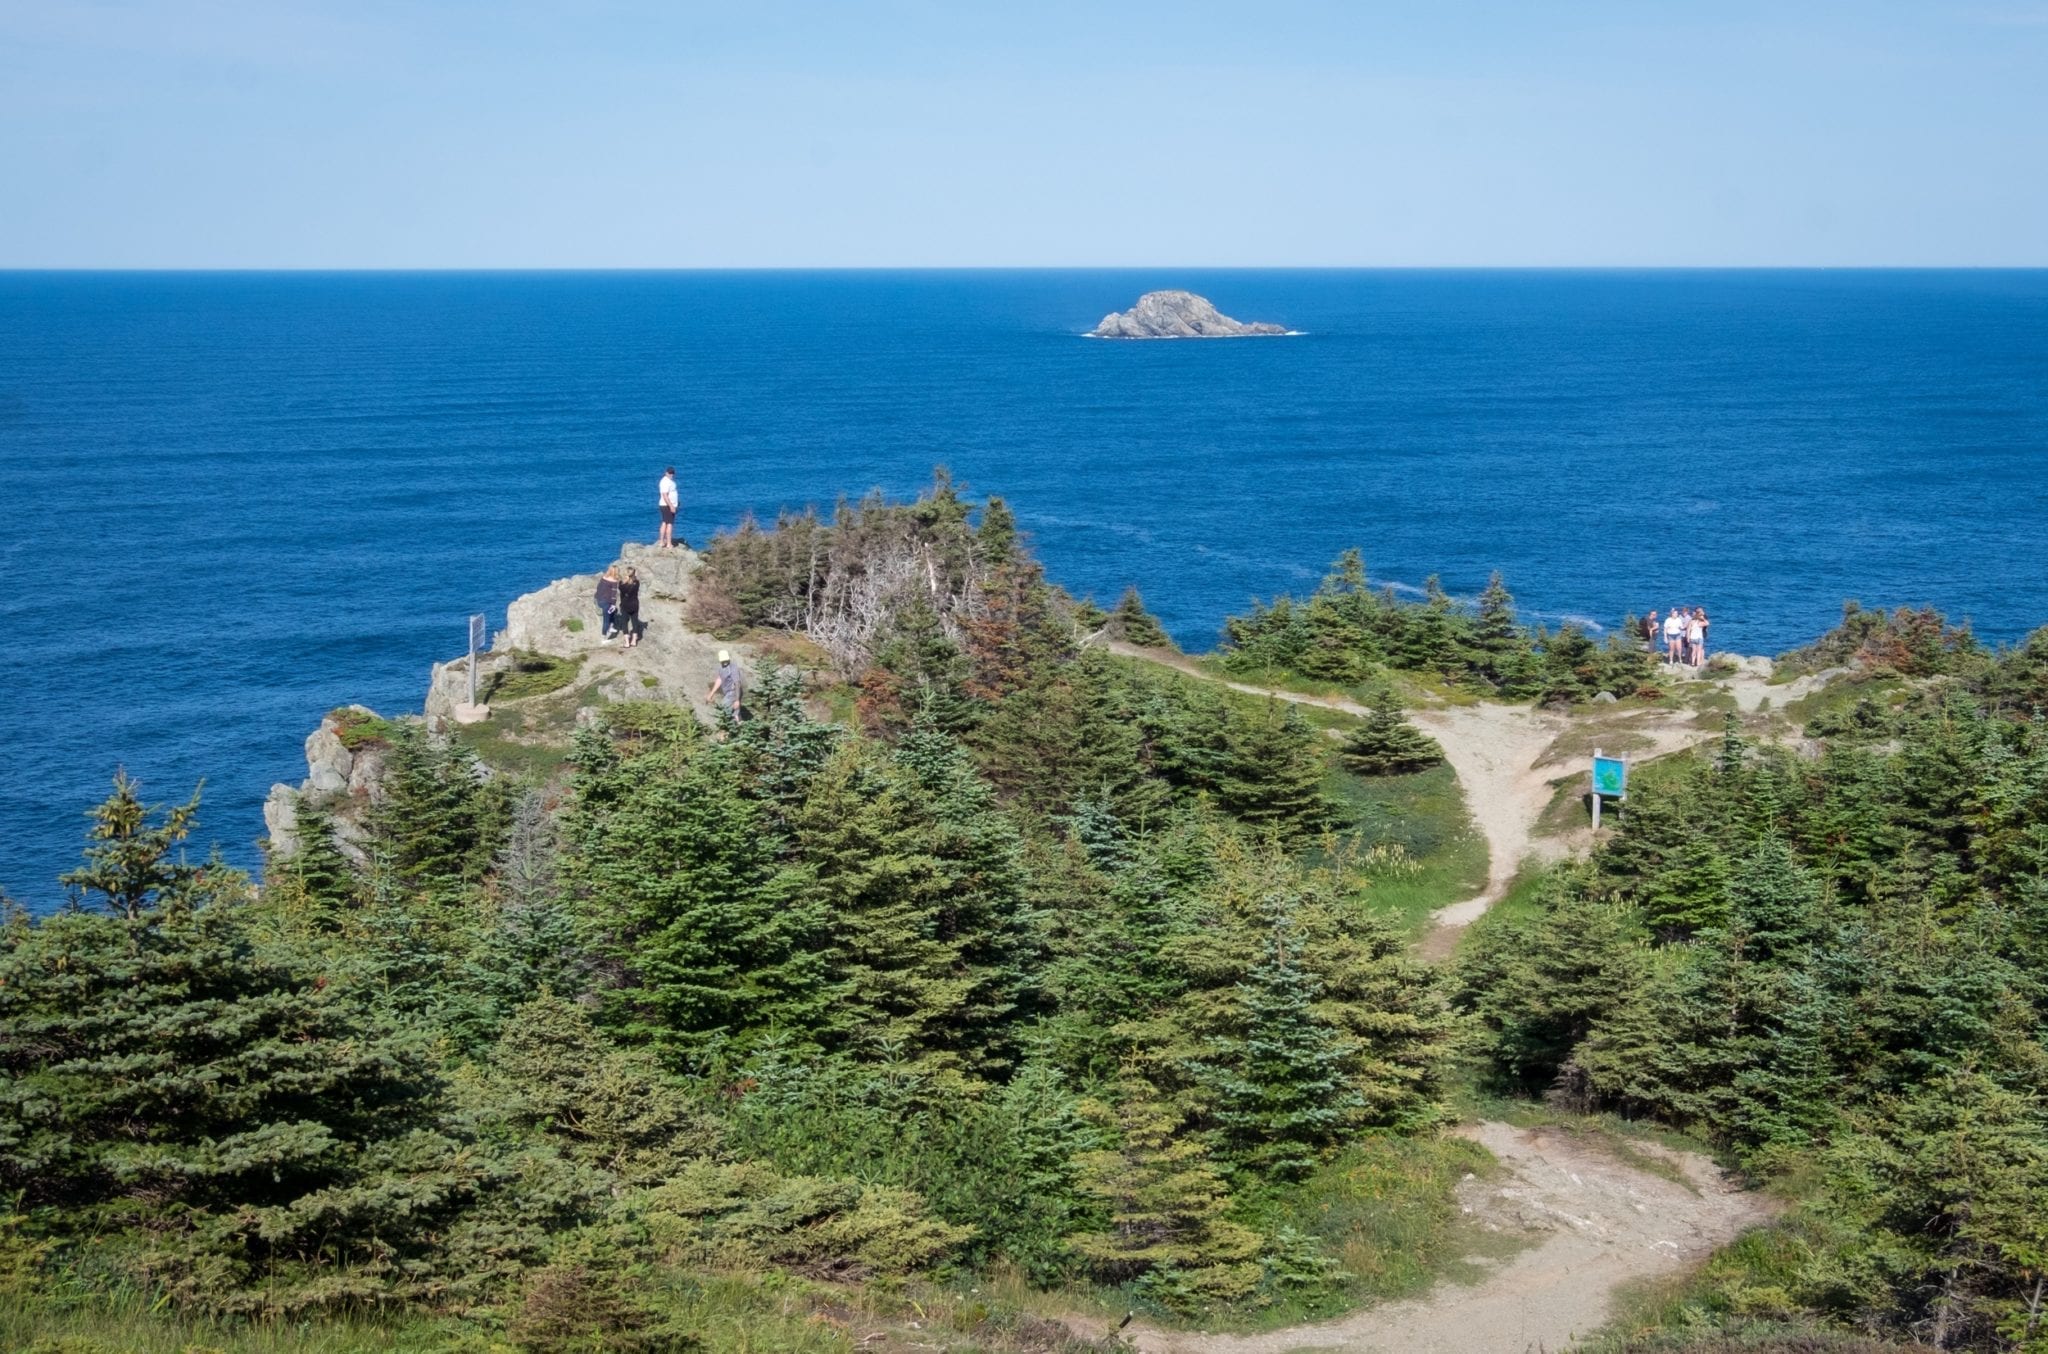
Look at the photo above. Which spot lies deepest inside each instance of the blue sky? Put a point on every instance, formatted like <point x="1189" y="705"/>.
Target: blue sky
<point x="617" y="133"/>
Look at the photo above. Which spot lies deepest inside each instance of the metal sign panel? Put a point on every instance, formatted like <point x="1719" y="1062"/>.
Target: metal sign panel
<point x="1610" y="777"/>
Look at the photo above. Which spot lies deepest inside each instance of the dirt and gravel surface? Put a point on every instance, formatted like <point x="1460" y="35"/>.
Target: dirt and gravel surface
<point x="1591" y="1222"/>
<point x="1503" y="757"/>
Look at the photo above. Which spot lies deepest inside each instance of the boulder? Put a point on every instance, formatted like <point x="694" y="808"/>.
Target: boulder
<point x="281" y="821"/>
<point x="1178" y="314"/>
<point x="1604" y="698"/>
<point x="541" y="621"/>
<point x="663" y="573"/>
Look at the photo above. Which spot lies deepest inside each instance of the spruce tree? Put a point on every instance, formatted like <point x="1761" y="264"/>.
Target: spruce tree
<point x="1133" y="624"/>
<point x="1166" y="1203"/>
<point x="1273" y="775"/>
<point x="1384" y="743"/>
<point x="132" y="864"/>
<point x="1281" y="1078"/>
<point x="678" y="892"/>
<point x="224" y="1119"/>
<point x="321" y="876"/>
<point x="894" y="980"/>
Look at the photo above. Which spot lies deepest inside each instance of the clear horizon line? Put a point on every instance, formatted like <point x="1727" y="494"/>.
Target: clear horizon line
<point x="6" y="268"/>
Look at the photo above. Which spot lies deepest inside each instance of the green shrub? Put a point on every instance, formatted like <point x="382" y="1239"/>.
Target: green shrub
<point x="530" y="674"/>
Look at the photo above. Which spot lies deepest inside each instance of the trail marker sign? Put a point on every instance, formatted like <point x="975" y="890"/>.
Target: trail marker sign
<point x="476" y="643"/>
<point x="1610" y="781"/>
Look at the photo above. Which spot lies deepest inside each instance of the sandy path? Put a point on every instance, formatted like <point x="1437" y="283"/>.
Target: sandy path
<point x="1593" y="1223"/>
<point x="1494" y="750"/>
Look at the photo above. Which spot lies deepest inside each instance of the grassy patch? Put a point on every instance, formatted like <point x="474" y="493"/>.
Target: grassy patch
<point x="574" y="625"/>
<point x="1412" y="839"/>
<point x="1739" y="1300"/>
<point x="1577" y="743"/>
<point x="359" y="728"/>
<point x="1522" y="901"/>
<point x="1386" y="1209"/>
<point x="1837" y="697"/>
<point x="530" y="674"/>
<point x="1274" y="679"/>
<point x="738" y="1313"/>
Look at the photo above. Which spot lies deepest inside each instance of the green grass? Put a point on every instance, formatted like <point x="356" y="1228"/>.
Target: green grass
<point x="134" y="1326"/>
<point x="736" y="1313"/>
<point x="1386" y="1209"/>
<point x="1574" y="747"/>
<point x="1739" y="1300"/>
<point x="359" y="728"/>
<point x="1276" y="679"/>
<point x="1839" y="695"/>
<point x="531" y="674"/>
<point x="1442" y="856"/>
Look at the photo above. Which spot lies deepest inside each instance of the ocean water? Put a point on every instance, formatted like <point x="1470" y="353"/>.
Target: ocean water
<point x="235" y="501"/>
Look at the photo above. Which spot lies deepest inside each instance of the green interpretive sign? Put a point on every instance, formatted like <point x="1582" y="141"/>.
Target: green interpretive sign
<point x="1610" y="777"/>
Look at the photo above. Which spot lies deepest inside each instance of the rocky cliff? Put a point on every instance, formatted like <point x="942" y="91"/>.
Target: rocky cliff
<point x="554" y="632"/>
<point x="1178" y="314"/>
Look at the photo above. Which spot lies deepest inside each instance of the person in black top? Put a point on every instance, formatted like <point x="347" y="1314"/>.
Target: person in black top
<point x="629" y="606"/>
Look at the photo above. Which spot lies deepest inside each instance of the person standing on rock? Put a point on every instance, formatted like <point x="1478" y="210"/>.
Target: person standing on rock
<point x="670" y="500"/>
<point x="1650" y="629"/>
<point x="724" y="692"/>
<point x="629" y="607"/>
<point x="1674" y="634"/>
<point x="1696" y="636"/>
<point x="608" y="601"/>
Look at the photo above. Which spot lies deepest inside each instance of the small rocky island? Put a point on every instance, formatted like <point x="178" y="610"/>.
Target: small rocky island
<point x="1178" y="314"/>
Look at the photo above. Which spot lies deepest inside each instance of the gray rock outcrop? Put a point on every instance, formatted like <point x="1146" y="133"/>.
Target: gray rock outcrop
<point x="346" y="781"/>
<point x="1178" y="314"/>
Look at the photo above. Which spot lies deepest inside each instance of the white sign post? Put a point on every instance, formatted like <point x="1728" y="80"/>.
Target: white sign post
<point x="476" y="642"/>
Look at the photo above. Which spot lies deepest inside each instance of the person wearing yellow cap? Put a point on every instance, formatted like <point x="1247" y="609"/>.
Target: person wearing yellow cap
<point x="724" y="691"/>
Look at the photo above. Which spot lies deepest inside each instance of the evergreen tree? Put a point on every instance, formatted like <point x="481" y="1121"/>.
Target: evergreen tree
<point x="895" y="979"/>
<point x="678" y="893"/>
<point x="159" y="1066"/>
<point x="1166" y="1204"/>
<point x="1273" y="777"/>
<point x="129" y="861"/>
<point x="1133" y="624"/>
<point x="440" y="821"/>
<point x="996" y="536"/>
<point x="1281" y="1079"/>
<point x="1384" y="743"/>
<point x="318" y="873"/>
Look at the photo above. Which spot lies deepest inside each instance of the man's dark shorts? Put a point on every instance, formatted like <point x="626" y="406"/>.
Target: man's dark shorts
<point x="668" y="517"/>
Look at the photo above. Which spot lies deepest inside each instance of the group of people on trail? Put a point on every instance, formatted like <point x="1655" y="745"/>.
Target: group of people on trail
<point x="618" y="603"/>
<point x="1683" y="632"/>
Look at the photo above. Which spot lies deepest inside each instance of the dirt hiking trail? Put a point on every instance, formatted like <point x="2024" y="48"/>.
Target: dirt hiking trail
<point x="1499" y="752"/>
<point x="1592" y="1223"/>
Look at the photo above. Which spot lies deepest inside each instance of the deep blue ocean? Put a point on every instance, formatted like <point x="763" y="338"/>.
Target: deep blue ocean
<point x="234" y="501"/>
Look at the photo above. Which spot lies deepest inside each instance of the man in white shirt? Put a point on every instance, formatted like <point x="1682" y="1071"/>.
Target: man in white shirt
<point x="670" y="501"/>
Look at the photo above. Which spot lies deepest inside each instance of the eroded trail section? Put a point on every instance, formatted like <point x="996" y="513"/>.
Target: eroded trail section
<point x="1593" y="1223"/>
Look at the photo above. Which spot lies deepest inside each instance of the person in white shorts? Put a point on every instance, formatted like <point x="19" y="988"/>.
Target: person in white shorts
<point x="670" y="501"/>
